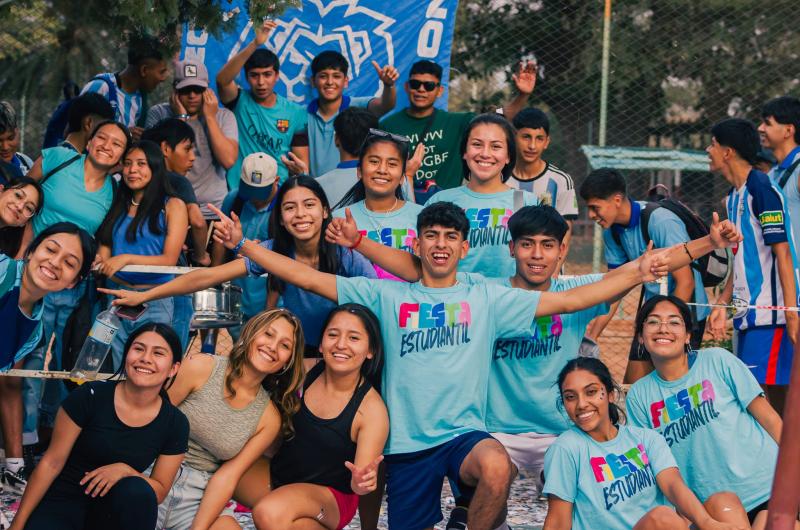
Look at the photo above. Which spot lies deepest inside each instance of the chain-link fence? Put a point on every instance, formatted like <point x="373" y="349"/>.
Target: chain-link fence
<point x="675" y="67"/>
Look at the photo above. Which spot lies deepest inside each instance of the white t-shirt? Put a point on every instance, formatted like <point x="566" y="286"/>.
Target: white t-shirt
<point x="553" y="187"/>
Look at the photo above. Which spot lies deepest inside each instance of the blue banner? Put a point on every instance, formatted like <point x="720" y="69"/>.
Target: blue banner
<point x="397" y="32"/>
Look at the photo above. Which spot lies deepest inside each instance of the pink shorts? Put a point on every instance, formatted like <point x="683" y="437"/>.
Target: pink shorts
<point x="348" y="504"/>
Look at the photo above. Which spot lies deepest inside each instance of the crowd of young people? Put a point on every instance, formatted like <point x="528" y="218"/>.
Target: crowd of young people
<point x="386" y="267"/>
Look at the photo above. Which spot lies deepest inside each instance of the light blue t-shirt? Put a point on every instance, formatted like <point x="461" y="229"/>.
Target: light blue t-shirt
<point x="255" y="226"/>
<point x="665" y="229"/>
<point x="65" y="195"/>
<point x="337" y="182"/>
<point x="790" y="188"/>
<point x="321" y="147"/>
<point x="267" y="130"/>
<point x="437" y="343"/>
<point x="396" y="229"/>
<point x="488" y="215"/>
<point x="17" y="267"/>
<point x="611" y="485"/>
<point x="310" y="308"/>
<point x="718" y="444"/>
<point x="523" y="392"/>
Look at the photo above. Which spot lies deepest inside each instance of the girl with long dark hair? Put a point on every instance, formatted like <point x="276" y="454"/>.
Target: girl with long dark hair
<point x="376" y="202"/>
<point x="602" y="473"/>
<point x="340" y="430"/>
<point x="297" y="229"/>
<point x="144" y="226"/>
<point x="711" y="410"/>
<point x="20" y="200"/>
<point x="488" y="152"/>
<point x="93" y="475"/>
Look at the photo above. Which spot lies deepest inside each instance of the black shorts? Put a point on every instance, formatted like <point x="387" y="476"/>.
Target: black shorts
<point x="639" y="353"/>
<point x="751" y="515"/>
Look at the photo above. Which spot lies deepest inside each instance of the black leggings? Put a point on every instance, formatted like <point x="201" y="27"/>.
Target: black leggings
<point x="129" y="505"/>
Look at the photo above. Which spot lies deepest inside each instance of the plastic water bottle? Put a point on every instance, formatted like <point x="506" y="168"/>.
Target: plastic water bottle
<point x="96" y="347"/>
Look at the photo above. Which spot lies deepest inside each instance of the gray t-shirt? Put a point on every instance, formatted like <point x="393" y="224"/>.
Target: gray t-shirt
<point x="207" y="175"/>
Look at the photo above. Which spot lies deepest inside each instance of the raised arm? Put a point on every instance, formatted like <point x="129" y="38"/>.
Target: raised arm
<point x="198" y="280"/>
<point x="224" y="149"/>
<point x="388" y="76"/>
<point x="524" y="81"/>
<point x="229" y="233"/>
<point x="226" y="78"/>
<point x="344" y="232"/>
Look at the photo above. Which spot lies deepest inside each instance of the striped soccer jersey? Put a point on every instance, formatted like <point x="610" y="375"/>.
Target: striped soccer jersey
<point x="759" y="211"/>
<point x="553" y="187"/>
<point x="128" y="107"/>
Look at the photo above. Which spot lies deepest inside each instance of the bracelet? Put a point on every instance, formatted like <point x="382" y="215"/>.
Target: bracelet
<point x="239" y="246"/>
<point x="686" y="249"/>
<point x="183" y="116"/>
<point x="360" y="237"/>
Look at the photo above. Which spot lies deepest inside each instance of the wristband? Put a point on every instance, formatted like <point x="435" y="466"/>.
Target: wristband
<point x="183" y="116"/>
<point x="360" y="237"/>
<point x="240" y="244"/>
<point x="686" y="249"/>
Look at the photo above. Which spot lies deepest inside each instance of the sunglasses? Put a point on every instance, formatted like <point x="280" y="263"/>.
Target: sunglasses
<point x="377" y="133"/>
<point x="416" y="84"/>
<point x="191" y="90"/>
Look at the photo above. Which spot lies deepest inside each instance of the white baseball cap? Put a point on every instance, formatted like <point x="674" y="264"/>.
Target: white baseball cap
<point x="259" y="173"/>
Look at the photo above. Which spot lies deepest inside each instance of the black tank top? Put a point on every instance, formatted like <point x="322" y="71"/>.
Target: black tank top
<point x="317" y="452"/>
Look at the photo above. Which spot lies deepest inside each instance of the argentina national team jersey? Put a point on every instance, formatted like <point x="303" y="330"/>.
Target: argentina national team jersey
<point x="127" y="107"/>
<point x="553" y="187"/>
<point x="759" y="211"/>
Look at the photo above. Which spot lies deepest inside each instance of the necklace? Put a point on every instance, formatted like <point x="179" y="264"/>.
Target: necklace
<point x="396" y="200"/>
<point x="135" y="203"/>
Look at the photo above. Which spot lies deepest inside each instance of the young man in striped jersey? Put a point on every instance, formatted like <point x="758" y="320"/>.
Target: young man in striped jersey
<point x="764" y="267"/>
<point x="126" y="90"/>
<point x="532" y="173"/>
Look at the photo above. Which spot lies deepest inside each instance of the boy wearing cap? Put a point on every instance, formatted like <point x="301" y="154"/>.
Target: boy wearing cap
<point x="215" y="131"/>
<point x="252" y="202"/>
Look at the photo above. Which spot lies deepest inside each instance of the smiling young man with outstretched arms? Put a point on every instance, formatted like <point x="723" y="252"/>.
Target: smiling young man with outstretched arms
<point x="440" y="330"/>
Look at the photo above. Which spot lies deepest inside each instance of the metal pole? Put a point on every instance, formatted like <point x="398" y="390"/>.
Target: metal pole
<point x="601" y="135"/>
<point x="785" y="499"/>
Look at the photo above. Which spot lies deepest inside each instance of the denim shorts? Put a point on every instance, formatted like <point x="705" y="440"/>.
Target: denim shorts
<point x="183" y="500"/>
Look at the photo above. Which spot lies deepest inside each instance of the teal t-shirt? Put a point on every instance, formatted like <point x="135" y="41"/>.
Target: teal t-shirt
<point x="437" y="343"/>
<point x="396" y="229"/>
<point x="488" y="215"/>
<point x="15" y="269"/>
<point x="717" y="443"/>
<point x="65" y="195"/>
<point x="267" y="130"/>
<point x="255" y="226"/>
<point x="523" y="392"/>
<point x="612" y="484"/>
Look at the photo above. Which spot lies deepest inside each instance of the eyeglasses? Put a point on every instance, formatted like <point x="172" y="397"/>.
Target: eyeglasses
<point x="28" y="208"/>
<point x="673" y="324"/>
<point x="416" y="84"/>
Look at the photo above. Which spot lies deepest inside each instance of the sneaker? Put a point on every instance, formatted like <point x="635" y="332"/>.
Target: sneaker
<point x="458" y="519"/>
<point x="15" y="482"/>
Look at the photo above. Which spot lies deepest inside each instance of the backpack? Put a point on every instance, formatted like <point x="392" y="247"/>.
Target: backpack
<point x="713" y="267"/>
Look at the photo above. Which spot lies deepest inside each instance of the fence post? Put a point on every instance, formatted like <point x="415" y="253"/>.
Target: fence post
<point x="601" y="136"/>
